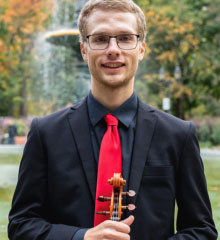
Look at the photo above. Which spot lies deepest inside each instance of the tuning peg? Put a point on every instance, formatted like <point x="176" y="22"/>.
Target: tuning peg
<point x="103" y="213"/>
<point x="104" y="199"/>
<point x="130" y="207"/>
<point x="130" y="193"/>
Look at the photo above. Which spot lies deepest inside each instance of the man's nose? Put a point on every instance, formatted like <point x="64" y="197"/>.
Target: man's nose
<point x="113" y="47"/>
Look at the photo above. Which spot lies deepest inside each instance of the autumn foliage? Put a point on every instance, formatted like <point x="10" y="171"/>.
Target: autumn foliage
<point x="183" y="35"/>
<point x="20" y="20"/>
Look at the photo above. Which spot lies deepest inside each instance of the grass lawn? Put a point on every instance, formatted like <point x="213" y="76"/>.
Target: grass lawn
<point x="10" y="159"/>
<point x="5" y="203"/>
<point x="212" y="170"/>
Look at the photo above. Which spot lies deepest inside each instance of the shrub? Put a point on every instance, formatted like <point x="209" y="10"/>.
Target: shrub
<point x="22" y="127"/>
<point x="204" y="133"/>
<point x="215" y="137"/>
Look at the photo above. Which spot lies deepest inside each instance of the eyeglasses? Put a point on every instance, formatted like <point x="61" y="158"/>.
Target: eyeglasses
<point x="124" y="41"/>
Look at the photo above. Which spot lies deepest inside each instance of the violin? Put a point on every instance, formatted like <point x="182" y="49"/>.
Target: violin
<point x="116" y="209"/>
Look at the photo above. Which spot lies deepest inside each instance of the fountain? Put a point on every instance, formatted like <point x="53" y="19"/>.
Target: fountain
<point x="68" y="37"/>
<point x="63" y="75"/>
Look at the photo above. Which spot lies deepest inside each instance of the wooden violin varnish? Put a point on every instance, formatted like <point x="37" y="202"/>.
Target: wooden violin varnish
<point x="115" y="208"/>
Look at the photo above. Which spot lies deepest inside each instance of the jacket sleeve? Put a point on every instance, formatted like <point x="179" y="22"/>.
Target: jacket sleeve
<point x="79" y="235"/>
<point x="28" y="218"/>
<point x="194" y="218"/>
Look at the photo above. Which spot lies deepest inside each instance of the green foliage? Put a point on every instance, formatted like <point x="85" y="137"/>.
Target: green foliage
<point x="180" y="33"/>
<point x="208" y="131"/>
<point x="184" y="34"/>
<point x="22" y="127"/>
<point x="206" y="144"/>
<point x="216" y="135"/>
<point x="204" y="133"/>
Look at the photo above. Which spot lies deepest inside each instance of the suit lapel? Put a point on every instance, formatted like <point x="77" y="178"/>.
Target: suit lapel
<point x="145" y="126"/>
<point x="79" y="123"/>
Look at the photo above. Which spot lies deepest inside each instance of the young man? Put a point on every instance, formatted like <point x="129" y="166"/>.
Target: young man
<point x="60" y="171"/>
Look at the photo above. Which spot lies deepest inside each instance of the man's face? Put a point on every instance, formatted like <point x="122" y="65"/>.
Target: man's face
<point x="112" y="67"/>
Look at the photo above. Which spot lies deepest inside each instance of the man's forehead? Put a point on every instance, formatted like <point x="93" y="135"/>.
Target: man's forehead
<point x="111" y="13"/>
<point x="104" y="21"/>
<point x="103" y="29"/>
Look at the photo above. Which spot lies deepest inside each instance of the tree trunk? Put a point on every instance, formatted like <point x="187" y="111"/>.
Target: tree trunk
<point x="23" y="94"/>
<point x="179" y="108"/>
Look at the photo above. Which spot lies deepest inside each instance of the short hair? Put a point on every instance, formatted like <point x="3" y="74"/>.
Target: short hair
<point x="118" y="5"/>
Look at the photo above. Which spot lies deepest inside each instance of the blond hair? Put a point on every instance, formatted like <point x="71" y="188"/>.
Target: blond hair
<point x="118" y="5"/>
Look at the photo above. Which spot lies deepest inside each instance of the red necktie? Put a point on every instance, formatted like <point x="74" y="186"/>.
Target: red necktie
<point x="109" y="163"/>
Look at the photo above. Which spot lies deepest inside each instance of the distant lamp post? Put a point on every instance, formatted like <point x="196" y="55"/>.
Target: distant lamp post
<point x="166" y="103"/>
<point x="162" y="74"/>
<point x="177" y="72"/>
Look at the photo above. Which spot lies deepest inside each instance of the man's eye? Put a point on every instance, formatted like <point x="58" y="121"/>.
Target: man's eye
<point x="101" y="39"/>
<point x="125" y="38"/>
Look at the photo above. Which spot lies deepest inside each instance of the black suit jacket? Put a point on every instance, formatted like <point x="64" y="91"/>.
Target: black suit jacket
<point x="55" y="194"/>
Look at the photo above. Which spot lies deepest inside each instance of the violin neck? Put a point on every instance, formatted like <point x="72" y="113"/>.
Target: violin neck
<point x="115" y="214"/>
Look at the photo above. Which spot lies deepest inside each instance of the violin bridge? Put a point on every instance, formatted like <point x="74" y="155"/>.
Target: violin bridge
<point x="116" y="219"/>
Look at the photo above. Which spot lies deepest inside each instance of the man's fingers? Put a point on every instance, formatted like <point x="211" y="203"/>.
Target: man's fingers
<point x="113" y="234"/>
<point x="128" y="221"/>
<point x="110" y="230"/>
<point x="117" y="226"/>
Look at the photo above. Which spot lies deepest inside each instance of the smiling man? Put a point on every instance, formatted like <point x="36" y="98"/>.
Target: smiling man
<point x="71" y="154"/>
<point x="113" y="61"/>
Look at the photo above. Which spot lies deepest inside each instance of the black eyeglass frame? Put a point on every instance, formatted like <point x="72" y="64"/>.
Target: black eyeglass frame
<point x="137" y="35"/>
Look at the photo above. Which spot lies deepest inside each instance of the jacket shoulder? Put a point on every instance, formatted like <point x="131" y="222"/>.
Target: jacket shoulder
<point x="166" y="120"/>
<point x="57" y="118"/>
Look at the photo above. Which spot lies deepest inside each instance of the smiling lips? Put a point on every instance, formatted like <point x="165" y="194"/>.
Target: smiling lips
<point x="113" y="65"/>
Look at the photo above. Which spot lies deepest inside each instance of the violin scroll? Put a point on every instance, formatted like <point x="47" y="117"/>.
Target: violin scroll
<point x="116" y="208"/>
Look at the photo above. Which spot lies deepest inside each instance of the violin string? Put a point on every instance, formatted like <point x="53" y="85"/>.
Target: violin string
<point x="116" y="203"/>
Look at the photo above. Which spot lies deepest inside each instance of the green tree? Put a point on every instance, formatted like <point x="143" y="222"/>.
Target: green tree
<point x="183" y="35"/>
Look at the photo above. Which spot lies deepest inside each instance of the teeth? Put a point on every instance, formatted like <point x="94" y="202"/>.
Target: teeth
<point x="113" y="65"/>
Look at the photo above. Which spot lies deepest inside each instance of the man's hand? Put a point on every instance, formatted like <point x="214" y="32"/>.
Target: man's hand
<point x="110" y="230"/>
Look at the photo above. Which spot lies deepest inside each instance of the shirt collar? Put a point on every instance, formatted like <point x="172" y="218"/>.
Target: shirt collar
<point x="124" y="113"/>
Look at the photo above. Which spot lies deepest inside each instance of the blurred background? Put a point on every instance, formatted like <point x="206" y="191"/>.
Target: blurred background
<point x="41" y="71"/>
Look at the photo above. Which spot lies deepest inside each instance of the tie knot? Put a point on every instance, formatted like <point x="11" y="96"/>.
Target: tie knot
<point x="111" y="120"/>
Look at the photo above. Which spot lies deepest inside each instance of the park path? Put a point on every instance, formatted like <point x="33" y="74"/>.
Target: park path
<point x="11" y="149"/>
<point x="210" y="153"/>
<point x="9" y="172"/>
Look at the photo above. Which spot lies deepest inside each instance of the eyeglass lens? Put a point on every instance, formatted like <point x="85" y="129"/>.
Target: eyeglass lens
<point x="124" y="41"/>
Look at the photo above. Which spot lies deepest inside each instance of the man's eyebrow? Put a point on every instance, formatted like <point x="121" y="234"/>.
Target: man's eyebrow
<point x="99" y="32"/>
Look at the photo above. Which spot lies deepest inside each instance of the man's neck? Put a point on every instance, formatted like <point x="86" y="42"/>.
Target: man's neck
<point x="112" y="98"/>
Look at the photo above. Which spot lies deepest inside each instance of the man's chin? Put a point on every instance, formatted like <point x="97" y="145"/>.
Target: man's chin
<point x="115" y="83"/>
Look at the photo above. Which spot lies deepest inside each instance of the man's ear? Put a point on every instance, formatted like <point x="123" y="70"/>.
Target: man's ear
<point x="141" y="51"/>
<point x="83" y="49"/>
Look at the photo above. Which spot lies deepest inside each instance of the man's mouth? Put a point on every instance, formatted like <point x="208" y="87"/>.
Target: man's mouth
<point x="113" y="65"/>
